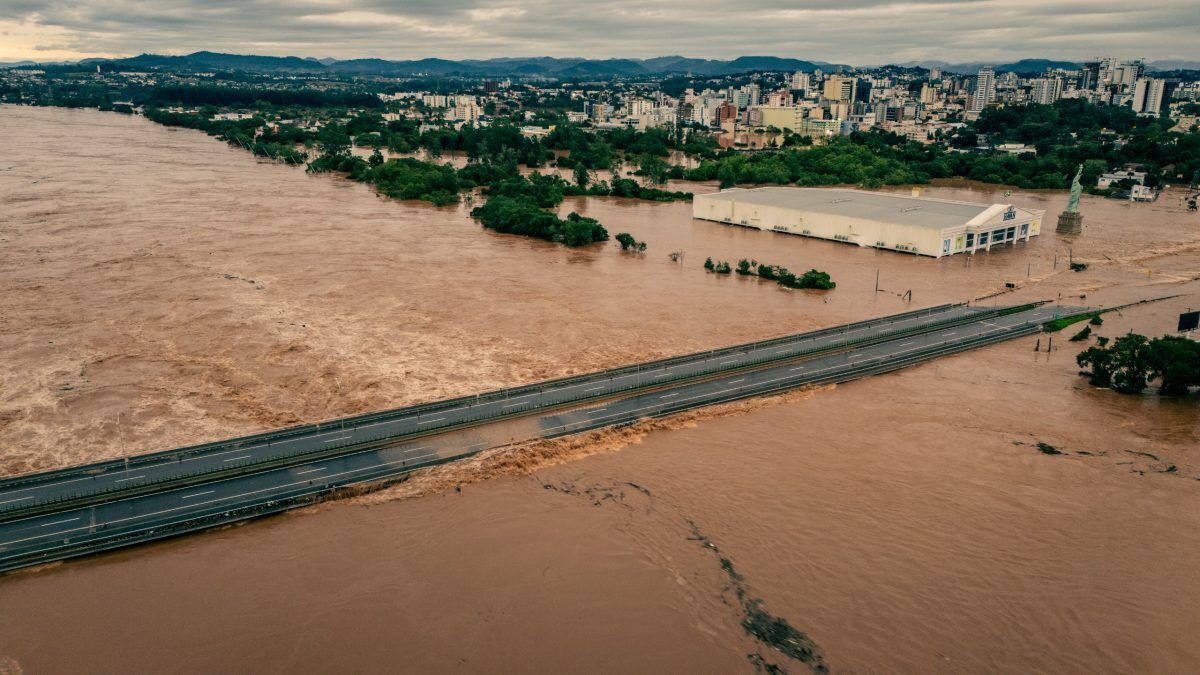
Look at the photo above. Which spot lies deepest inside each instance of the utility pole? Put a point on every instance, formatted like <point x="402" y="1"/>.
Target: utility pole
<point x="121" y="442"/>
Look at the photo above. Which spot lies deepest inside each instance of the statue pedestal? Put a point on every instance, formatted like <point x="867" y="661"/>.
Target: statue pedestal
<point x="1069" y="223"/>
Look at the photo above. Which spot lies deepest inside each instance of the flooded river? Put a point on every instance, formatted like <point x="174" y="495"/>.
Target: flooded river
<point x="161" y="288"/>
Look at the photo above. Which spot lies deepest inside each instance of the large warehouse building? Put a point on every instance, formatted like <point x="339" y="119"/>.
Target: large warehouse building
<point x="932" y="227"/>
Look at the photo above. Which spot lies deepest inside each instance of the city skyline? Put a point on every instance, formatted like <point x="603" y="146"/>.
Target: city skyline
<point x="857" y="32"/>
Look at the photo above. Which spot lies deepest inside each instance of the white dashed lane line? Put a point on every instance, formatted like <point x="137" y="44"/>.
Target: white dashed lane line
<point x="60" y="522"/>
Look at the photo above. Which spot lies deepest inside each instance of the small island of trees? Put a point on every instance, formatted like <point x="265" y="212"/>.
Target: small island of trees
<point x="628" y="243"/>
<point x="813" y="279"/>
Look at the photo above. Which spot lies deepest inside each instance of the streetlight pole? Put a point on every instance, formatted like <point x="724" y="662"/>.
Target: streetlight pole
<point x="121" y="442"/>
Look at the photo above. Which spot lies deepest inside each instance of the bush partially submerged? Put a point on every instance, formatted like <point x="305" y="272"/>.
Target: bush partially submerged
<point x="813" y="279"/>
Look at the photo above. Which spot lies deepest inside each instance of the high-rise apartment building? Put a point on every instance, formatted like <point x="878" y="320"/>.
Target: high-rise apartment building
<point x="801" y="81"/>
<point x="1121" y="75"/>
<point x="726" y="112"/>
<point x="1046" y="90"/>
<point x="1090" y="75"/>
<point x="985" y="90"/>
<point x="840" y="88"/>
<point x="1148" y="94"/>
<point x="745" y="96"/>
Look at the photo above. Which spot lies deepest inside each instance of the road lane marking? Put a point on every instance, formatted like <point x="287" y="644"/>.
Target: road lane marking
<point x="434" y="420"/>
<point x="122" y="480"/>
<point x="234" y="459"/>
<point x="60" y="522"/>
<point x="375" y="424"/>
<point x="597" y="412"/>
<point x="198" y="494"/>
<point x="18" y="499"/>
<point x="594" y="389"/>
<point x="669" y="395"/>
<point x="339" y="438"/>
<point x="909" y="343"/>
<point x="513" y="405"/>
<point x="310" y="470"/>
<point x="736" y="381"/>
<point x="798" y="368"/>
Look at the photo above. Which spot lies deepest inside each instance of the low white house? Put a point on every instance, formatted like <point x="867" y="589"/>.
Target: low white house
<point x="920" y="225"/>
<point x="1107" y="179"/>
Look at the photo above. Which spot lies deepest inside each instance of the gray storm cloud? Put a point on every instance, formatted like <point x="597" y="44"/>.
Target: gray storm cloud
<point x="850" y="31"/>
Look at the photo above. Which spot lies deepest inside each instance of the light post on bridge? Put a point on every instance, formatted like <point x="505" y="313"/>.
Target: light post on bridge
<point x="121" y="443"/>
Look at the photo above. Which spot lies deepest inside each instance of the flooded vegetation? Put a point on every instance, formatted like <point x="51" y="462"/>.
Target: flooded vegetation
<point x="161" y="289"/>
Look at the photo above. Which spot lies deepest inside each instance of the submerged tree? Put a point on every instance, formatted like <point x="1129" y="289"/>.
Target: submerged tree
<point x="1175" y="361"/>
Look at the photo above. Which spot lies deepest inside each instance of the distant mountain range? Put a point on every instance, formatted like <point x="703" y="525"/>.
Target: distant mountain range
<point x="1022" y="66"/>
<point x="1038" y="66"/>
<point x="564" y="68"/>
<point x="545" y="66"/>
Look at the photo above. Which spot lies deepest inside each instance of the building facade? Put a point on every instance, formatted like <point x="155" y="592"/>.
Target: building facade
<point x="839" y="88"/>
<point x="1046" y="90"/>
<point x="1148" y="96"/>
<point x="921" y="226"/>
<point x="985" y="90"/>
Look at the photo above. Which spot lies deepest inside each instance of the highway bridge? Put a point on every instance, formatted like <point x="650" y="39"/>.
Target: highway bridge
<point x="85" y="509"/>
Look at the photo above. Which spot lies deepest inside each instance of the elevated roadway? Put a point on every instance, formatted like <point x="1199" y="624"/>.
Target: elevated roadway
<point x="102" y="481"/>
<point x="129" y="516"/>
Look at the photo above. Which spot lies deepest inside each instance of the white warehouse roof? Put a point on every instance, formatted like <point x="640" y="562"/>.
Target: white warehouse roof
<point x="937" y="214"/>
<point x="933" y="227"/>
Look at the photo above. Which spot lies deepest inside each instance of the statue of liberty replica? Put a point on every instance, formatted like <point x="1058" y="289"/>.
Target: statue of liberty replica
<point x="1071" y="220"/>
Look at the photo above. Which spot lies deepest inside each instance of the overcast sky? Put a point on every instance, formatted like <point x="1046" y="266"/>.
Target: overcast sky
<point x="844" y="31"/>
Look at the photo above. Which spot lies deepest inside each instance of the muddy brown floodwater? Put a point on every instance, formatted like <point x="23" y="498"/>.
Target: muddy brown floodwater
<point x="160" y="288"/>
